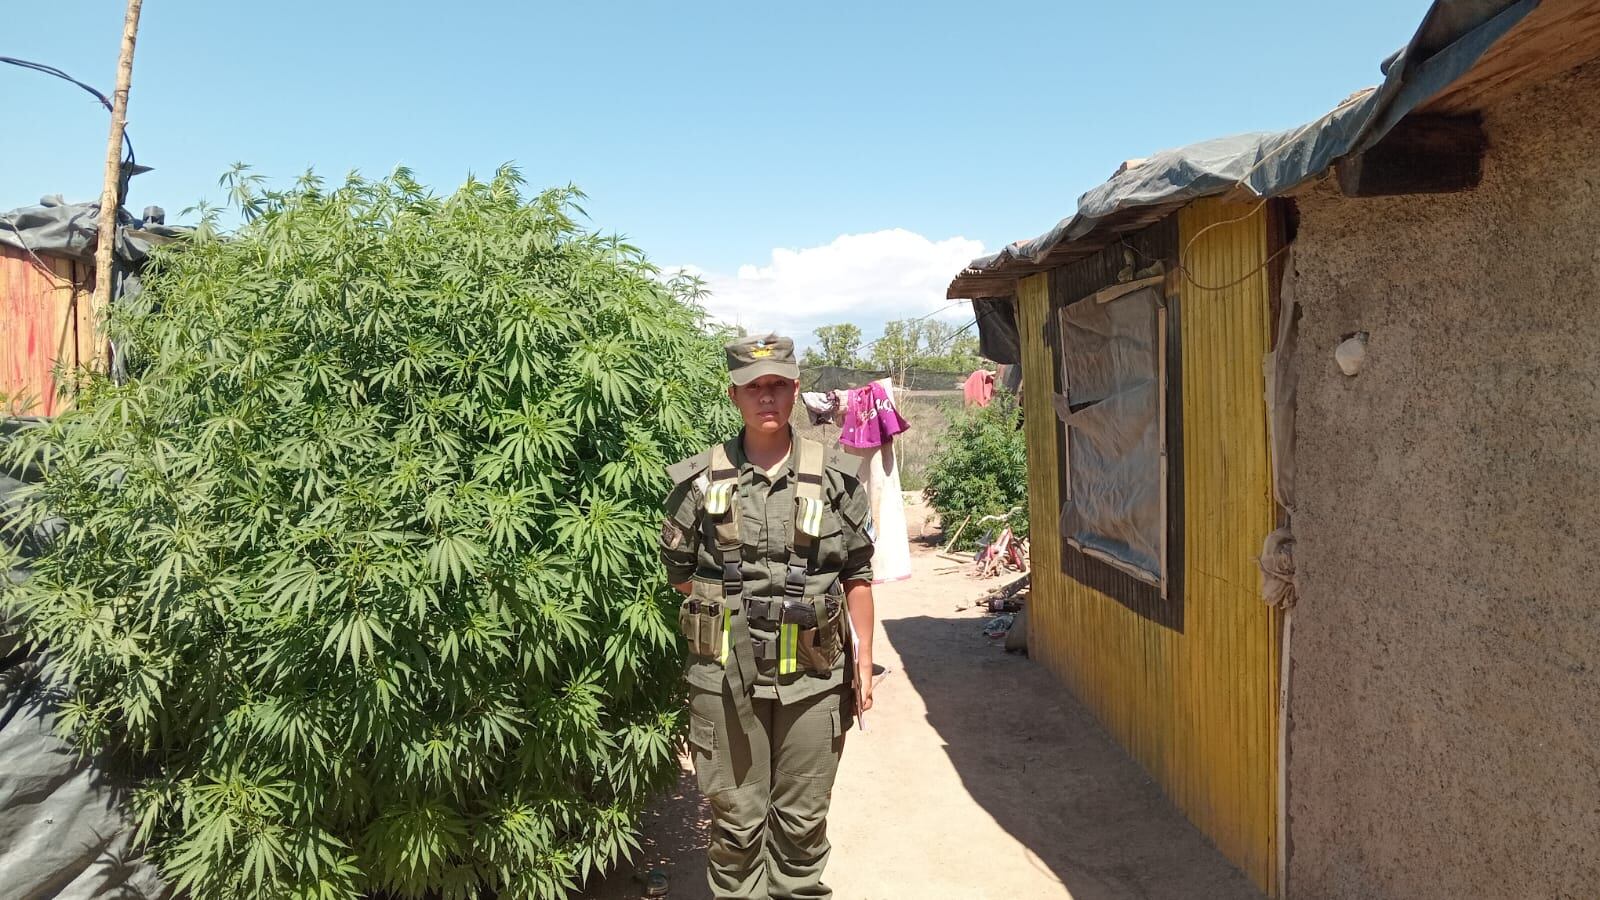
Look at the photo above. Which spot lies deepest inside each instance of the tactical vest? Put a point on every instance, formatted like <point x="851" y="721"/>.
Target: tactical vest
<point x="810" y="627"/>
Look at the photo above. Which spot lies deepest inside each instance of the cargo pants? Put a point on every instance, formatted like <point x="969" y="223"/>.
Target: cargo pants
<point x="769" y="793"/>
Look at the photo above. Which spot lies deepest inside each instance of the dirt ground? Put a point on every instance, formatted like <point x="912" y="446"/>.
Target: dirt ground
<point x="979" y="777"/>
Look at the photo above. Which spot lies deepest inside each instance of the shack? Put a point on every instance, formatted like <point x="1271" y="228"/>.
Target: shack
<point x="48" y="329"/>
<point x="1312" y="418"/>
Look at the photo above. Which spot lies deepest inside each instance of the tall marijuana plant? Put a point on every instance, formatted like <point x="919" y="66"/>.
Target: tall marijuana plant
<point x="359" y="570"/>
<point x="981" y="469"/>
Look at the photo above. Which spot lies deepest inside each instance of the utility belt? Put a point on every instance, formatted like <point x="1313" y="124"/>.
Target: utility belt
<point x="809" y="632"/>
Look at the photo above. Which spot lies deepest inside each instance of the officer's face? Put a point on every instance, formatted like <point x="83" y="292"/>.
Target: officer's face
<point x="766" y="402"/>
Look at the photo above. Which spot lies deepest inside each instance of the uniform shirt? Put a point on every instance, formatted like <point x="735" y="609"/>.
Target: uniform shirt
<point x="766" y="509"/>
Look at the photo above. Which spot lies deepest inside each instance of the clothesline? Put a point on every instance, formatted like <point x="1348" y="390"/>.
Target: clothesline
<point x="866" y="415"/>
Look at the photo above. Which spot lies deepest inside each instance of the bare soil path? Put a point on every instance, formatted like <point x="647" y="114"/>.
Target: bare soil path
<point x="980" y="777"/>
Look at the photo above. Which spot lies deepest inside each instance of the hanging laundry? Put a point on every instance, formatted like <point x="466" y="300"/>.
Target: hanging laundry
<point x="870" y="417"/>
<point x="821" y="406"/>
<point x="978" y="390"/>
<point x="880" y="474"/>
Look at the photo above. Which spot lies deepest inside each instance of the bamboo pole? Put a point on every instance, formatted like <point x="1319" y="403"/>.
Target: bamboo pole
<point x="109" y="194"/>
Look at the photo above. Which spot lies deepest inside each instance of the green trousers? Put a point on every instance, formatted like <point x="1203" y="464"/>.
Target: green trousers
<point x="769" y="793"/>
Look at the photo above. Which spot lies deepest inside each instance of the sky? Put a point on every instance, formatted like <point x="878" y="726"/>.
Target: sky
<point x="813" y="162"/>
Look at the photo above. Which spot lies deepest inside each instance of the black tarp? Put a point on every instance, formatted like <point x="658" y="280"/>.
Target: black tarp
<point x="998" y="338"/>
<point x="71" y="231"/>
<point x="64" y="831"/>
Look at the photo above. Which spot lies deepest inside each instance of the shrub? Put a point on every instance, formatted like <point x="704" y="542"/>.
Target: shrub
<point x="361" y="569"/>
<point x="981" y="469"/>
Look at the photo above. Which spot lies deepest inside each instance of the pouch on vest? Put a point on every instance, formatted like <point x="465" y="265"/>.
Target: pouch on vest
<point x="701" y="621"/>
<point x="821" y="645"/>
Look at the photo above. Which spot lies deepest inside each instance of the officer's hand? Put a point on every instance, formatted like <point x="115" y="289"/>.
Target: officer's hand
<point x="863" y="685"/>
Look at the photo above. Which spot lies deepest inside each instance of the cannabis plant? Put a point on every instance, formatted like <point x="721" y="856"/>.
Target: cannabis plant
<point x="359" y="571"/>
<point x="981" y="469"/>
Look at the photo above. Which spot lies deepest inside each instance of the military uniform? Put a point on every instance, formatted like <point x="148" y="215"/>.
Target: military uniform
<point x="767" y="554"/>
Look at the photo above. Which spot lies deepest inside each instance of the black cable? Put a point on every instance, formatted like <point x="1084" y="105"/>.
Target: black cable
<point x="53" y="71"/>
<point x="126" y="169"/>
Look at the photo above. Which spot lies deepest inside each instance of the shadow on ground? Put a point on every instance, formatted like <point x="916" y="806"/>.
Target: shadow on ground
<point x="676" y="831"/>
<point x="1037" y="762"/>
<point x="983" y="780"/>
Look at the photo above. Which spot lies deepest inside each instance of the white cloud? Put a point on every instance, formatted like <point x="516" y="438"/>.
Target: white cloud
<point x="867" y="279"/>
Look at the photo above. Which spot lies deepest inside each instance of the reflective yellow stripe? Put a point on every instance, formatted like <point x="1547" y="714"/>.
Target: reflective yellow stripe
<point x="719" y="497"/>
<point x="727" y="636"/>
<point x="788" y="648"/>
<point x="809" y="518"/>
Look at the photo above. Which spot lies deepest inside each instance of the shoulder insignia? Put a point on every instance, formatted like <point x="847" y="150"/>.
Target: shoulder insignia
<point x="686" y="469"/>
<point x="840" y="461"/>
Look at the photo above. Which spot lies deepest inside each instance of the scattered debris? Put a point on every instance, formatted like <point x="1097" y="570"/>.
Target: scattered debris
<point x="1007" y="552"/>
<point x="999" y="625"/>
<point x="1008" y="597"/>
<point x="1017" y="636"/>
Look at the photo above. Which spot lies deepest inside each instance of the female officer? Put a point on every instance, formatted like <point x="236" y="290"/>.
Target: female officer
<point x="767" y="537"/>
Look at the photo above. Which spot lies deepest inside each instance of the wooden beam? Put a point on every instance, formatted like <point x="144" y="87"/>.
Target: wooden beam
<point x="111" y="194"/>
<point x="1422" y="155"/>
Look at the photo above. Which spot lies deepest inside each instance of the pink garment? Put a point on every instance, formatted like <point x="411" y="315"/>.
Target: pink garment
<point x="870" y="419"/>
<point x="979" y="388"/>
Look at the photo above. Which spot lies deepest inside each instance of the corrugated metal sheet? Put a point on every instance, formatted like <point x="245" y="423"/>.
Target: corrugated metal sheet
<point x="1195" y="704"/>
<point x="1044" y="518"/>
<point x="44" y="319"/>
<point x="1233" y="663"/>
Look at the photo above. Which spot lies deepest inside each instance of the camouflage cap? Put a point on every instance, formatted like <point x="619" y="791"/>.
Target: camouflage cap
<point x="750" y="358"/>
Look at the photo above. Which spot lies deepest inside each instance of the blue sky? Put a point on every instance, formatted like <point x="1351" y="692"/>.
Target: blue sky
<point x="817" y="162"/>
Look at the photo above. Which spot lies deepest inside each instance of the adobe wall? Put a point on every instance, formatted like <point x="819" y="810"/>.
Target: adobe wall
<point x="1445" y="705"/>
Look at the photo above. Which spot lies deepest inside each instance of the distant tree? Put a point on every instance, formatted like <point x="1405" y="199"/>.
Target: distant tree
<point x="948" y="348"/>
<point x="899" y="347"/>
<point x="927" y="344"/>
<point x="837" y="345"/>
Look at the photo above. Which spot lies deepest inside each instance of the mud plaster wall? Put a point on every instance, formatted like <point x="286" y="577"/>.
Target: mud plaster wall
<point x="1446" y="687"/>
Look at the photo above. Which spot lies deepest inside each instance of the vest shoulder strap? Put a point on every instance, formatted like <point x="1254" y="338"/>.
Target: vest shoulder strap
<point x="809" y="463"/>
<point x="721" y="464"/>
<point x="720" y="494"/>
<point x="809" y="501"/>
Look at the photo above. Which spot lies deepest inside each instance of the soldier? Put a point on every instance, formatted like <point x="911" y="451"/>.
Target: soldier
<point x="767" y="536"/>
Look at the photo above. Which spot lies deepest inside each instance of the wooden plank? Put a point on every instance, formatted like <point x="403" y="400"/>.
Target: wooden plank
<point x="89" y="336"/>
<point x="34" y="297"/>
<point x="1118" y="291"/>
<point x="1557" y="36"/>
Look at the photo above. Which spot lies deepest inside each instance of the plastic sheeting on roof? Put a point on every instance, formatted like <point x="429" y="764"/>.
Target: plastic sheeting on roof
<point x="1453" y="35"/>
<point x="70" y="231"/>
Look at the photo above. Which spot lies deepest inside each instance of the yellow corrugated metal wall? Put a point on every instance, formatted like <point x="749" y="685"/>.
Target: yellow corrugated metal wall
<point x="1197" y="707"/>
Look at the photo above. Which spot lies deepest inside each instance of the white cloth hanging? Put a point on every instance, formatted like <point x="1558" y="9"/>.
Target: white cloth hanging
<point x="880" y="474"/>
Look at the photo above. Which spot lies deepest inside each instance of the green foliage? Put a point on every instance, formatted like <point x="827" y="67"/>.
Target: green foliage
<point x="926" y="344"/>
<point x="837" y="346"/>
<point x="361" y="566"/>
<point x="981" y="469"/>
<point x="899" y="346"/>
<point x="947" y="348"/>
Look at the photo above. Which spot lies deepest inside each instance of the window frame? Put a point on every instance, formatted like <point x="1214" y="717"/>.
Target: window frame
<point x="1160" y="581"/>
